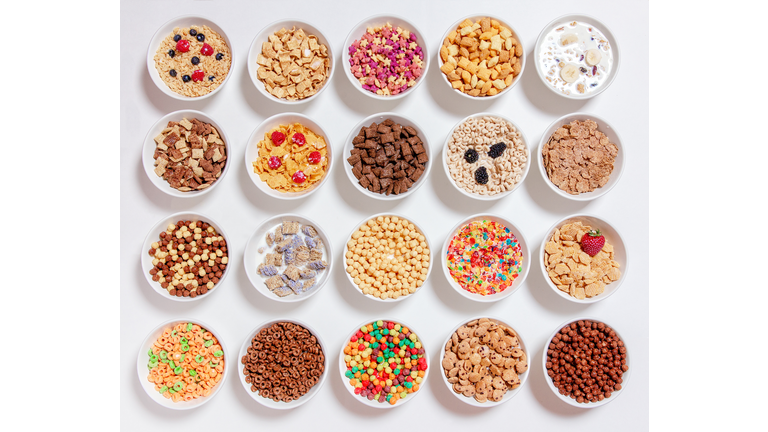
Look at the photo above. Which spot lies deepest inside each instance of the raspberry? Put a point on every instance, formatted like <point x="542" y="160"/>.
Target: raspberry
<point x="198" y="75"/>
<point x="481" y="175"/>
<point x="299" y="177"/>
<point x="278" y="138"/>
<point x="470" y="156"/>
<point x="497" y="150"/>
<point x="299" y="139"/>
<point x="205" y="50"/>
<point x="315" y="157"/>
<point x="275" y="162"/>
<point x="182" y="45"/>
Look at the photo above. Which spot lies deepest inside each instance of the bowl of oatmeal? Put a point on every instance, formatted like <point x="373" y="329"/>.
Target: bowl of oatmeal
<point x="576" y="56"/>
<point x="581" y="156"/>
<point x="190" y="58"/>
<point x="486" y="156"/>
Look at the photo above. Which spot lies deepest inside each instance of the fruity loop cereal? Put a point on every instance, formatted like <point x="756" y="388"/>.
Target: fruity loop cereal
<point x="486" y="156"/>
<point x="186" y="362"/>
<point x="579" y="158"/>
<point x="293" y="258"/>
<point x="484" y="359"/>
<point x="386" y="60"/>
<point x="385" y="362"/>
<point x="190" y="155"/>
<point x="481" y="58"/>
<point x="193" y="61"/>
<point x="572" y="270"/>
<point x="484" y="257"/>
<point x="292" y="64"/>
<point x="387" y="257"/>
<point x="283" y="362"/>
<point x="291" y="158"/>
<point x="189" y="259"/>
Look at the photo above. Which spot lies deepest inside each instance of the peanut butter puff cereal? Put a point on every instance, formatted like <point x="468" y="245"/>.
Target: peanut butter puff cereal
<point x="388" y="257"/>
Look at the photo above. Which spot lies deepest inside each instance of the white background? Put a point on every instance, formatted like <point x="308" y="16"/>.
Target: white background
<point x="235" y="307"/>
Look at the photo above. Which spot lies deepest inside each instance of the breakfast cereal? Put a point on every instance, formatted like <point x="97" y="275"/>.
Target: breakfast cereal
<point x="292" y="158"/>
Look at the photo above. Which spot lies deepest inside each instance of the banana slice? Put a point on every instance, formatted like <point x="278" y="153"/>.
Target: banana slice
<point x="569" y="73"/>
<point x="568" y="39"/>
<point x="593" y="57"/>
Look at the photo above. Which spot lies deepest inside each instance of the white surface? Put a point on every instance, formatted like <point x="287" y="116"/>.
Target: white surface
<point x="241" y="207"/>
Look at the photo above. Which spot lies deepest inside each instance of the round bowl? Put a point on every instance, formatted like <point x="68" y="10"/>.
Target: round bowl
<point x="252" y="152"/>
<point x="475" y="17"/>
<point x="612" y="236"/>
<point x="148" y="152"/>
<point x="149" y="388"/>
<point x="471" y="400"/>
<point x="603" y="126"/>
<point x="379" y="20"/>
<point x="518" y="282"/>
<point x="269" y="402"/>
<point x="378" y="118"/>
<point x="352" y="281"/>
<point x="263" y="36"/>
<point x="475" y="195"/>
<point x="568" y="400"/>
<point x="252" y="258"/>
<point x="154" y="235"/>
<point x="562" y="21"/>
<point x="165" y="30"/>
<point x="374" y="403"/>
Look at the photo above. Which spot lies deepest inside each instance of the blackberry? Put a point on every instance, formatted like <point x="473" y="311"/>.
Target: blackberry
<point x="470" y="156"/>
<point x="481" y="176"/>
<point x="497" y="150"/>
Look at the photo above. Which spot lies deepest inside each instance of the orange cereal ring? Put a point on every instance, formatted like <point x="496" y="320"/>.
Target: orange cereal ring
<point x="207" y="335"/>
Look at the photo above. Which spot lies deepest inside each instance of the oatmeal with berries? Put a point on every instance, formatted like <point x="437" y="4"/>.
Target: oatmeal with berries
<point x="193" y="61"/>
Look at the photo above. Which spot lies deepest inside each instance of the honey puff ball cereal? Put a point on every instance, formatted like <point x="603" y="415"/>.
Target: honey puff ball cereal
<point x="387" y="257"/>
<point x="291" y="158"/>
<point x="185" y="362"/>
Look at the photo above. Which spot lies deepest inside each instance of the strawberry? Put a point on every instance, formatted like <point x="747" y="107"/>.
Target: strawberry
<point x="592" y="242"/>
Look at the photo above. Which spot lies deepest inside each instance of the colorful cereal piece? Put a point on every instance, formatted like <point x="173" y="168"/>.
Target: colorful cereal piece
<point x="309" y="230"/>
<point x="317" y="265"/>
<point x="267" y="270"/>
<point x="310" y="242"/>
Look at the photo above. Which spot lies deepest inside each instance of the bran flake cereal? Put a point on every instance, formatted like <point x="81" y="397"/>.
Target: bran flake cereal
<point x="292" y="158"/>
<point x="179" y="71"/>
<point x="486" y="156"/>
<point x="484" y="257"/>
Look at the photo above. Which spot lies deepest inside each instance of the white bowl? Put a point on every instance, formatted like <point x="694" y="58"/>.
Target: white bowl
<point x="563" y="20"/>
<point x="474" y="18"/>
<point x="165" y="30"/>
<point x="252" y="152"/>
<point x="602" y="126"/>
<point x="474" y="195"/>
<point x="471" y="400"/>
<point x="252" y="257"/>
<point x="374" y="403"/>
<point x="263" y="36"/>
<point x="568" y="400"/>
<point x="148" y="152"/>
<point x="269" y="402"/>
<point x="378" y="118"/>
<point x="380" y="20"/>
<point x="612" y="236"/>
<point x="352" y="281"/>
<point x="143" y="371"/>
<point x="518" y="282"/>
<point x="154" y="235"/>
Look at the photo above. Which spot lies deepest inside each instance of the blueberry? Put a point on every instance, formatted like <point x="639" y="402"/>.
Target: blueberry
<point x="172" y="53"/>
<point x="497" y="150"/>
<point x="172" y="72"/>
<point x="200" y="37"/>
<point x="470" y="156"/>
<point x="219" y="56"/>
<point x="177" y="38"/>
<point x="481" y="175"/>
<point x="186" y="78"/>
<point x="210" y="78"/>
<point x="192" y="32"/>
<point x="195" y="60"/>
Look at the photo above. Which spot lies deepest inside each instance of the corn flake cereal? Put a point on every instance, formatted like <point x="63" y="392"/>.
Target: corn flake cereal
<point x="292" y="158"/>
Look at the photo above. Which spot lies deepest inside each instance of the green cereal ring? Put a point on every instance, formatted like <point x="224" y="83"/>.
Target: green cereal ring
<point x="208" y="343"/>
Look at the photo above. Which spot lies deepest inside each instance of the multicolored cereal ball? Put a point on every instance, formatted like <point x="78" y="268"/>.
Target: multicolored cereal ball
<point x="386" y="60"/>
<point x="385" y="362"/>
